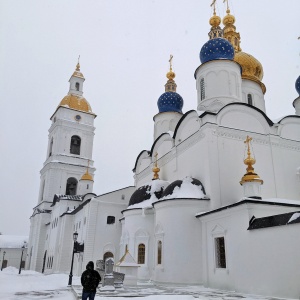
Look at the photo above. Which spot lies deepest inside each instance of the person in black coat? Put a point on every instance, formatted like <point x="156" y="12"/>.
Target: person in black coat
<point x="89" y="280"/>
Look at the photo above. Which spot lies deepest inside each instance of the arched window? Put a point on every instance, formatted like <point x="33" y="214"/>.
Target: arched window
<point x="107" y="255"/>
<point x="77" y="86"/>
<point x="51" y="146"/>
<point x="202" y="89"/>
<point x="250" y="101"/>
<point x="141" y="254"/>
<point x="75" y="144"/>
<point x="159" y="251"/>
<point x="71" y="187"/>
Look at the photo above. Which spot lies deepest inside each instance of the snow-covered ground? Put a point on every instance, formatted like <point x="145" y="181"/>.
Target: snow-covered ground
<point x="30" y="285"/>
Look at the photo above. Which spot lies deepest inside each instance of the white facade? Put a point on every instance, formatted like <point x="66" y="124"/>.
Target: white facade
<point x="198" y="224"/>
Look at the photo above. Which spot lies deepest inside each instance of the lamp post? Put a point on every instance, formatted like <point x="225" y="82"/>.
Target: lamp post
<point x="75" y="236"/>
<point x="23" y="248"/>
<point x="3" y="260"/>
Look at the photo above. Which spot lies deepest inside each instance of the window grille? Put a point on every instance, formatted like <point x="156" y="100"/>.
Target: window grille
<point x="250" y="101"/>
<point x="202" y="89"/>
<point x="141" y="254"/>
<point x="220" y="252"/>
<point x="159" y="251"/>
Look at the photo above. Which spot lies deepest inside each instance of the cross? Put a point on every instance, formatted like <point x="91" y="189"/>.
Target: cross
<point x="247" y="141"/>
<point x="170" y="61"/>
<point x="78" y="65"/>
<point x="226" y="3"/>
<point x="156" y="154"/>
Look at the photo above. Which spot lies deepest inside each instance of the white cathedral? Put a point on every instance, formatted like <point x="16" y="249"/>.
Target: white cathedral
<point x="197" y="214"/>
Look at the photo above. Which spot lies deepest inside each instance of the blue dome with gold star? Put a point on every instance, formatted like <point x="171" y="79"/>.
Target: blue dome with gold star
<point x="170" y="101"/>
<point x="216" y="49"/>
<point x="297" y="85"/>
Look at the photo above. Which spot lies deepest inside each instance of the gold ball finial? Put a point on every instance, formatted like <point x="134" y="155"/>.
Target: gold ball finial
<point x="170" y="75"/>
<point x="215" y="20"/>
<point x="228" y="19"/>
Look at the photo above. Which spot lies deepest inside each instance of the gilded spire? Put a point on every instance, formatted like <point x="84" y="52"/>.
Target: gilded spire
<point x="249" y="161"/>
<point x="215" y="21"/>
<point x="87" y="175"/>
<point x="170" y="86"/>
<point x="229" y="31"/>
<point x="77" y="72"/>
<point x="155" y="169"/>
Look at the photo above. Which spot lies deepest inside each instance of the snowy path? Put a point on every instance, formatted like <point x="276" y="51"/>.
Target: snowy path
<point x="30" y="285"/>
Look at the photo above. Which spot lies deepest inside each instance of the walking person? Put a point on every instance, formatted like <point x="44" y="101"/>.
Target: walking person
<point x="89" y="280"/>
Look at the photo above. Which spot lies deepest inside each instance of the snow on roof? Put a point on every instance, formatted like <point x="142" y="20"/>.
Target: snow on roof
<point x="295" y="216"/>
<point x="186" y="190"/>
<point x="13" y="241"/>
<point x="276" y="200"/>
<point x="155" y="186"/>
<point x="127" y="261"/>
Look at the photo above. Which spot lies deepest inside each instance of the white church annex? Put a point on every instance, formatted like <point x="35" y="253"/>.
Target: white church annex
<point x="197" y="214"/>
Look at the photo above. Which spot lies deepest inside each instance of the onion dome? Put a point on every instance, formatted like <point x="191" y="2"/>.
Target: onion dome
<point x="216" y="49"/>
<point x="249" y="161"/>
<point x="187" y="188"/>
<point x="76" y="102"/>
<point x="297" y="85"/>
<point x="170" y="100"/>
<point x="87" y="176"/>
<point x="251" y="68"/>
<point x="147" y="193"/>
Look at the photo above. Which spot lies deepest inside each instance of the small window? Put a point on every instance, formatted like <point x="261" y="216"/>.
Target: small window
<point x="159" y="251"/>
<point x="71" y="187"/>
<point x="220" y="252"/>
<point x="75" y="145"/>
<point x="87" y="186"/>
<point x="250" y="101"/>
<point x="141" y="254"/>
<point x="202" y="89"/>
<point x="123" y="197"/>
<point x="51" y="146"/>
<point x="77" y="85"/>
<point x="111" y="219"/>
<point x="84" y="222"/>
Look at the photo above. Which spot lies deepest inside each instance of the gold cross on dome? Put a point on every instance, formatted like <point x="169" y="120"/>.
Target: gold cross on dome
<point x="247" y="141"/>
<point x="170" y="61"/>
<point x="226" y="3"/>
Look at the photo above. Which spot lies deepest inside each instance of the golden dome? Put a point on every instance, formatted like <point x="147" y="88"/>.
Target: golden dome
<point x="228" y="19"/>
<point x="215" y="21"/>
<point x="87" y="176"/>
<point x="251" y="68"/>
<point x="76" y="102"/>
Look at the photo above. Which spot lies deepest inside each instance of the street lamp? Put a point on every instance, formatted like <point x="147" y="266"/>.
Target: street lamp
<point x="75" y="236"/>
<point x="3" y="260"/>
<point x="23" y="248"/>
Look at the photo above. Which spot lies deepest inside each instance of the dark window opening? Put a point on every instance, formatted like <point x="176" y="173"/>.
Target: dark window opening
<point x="159" y="250"/>
<point x="250" y="101"/>
<point x="111" y="219"/>
<point x="71" y="186"/>
<point x="77" y="86"/>
<point x="75" y="145"/>
<point x="141" y="254"/>
<point x="202" y="89"/>
<point x="51" y="146"/>
<point x="220" y="252"/>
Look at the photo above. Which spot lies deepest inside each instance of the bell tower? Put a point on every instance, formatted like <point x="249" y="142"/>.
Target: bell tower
<point x="68" y="168"/>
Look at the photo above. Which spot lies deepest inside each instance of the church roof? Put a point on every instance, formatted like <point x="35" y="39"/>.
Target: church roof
<point x="276" y="220"/>
<point x="272" y="201"/>
<point x="58" y="197"/>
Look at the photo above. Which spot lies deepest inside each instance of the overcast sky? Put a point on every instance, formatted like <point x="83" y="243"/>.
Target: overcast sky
<point x="124" y="47"/>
